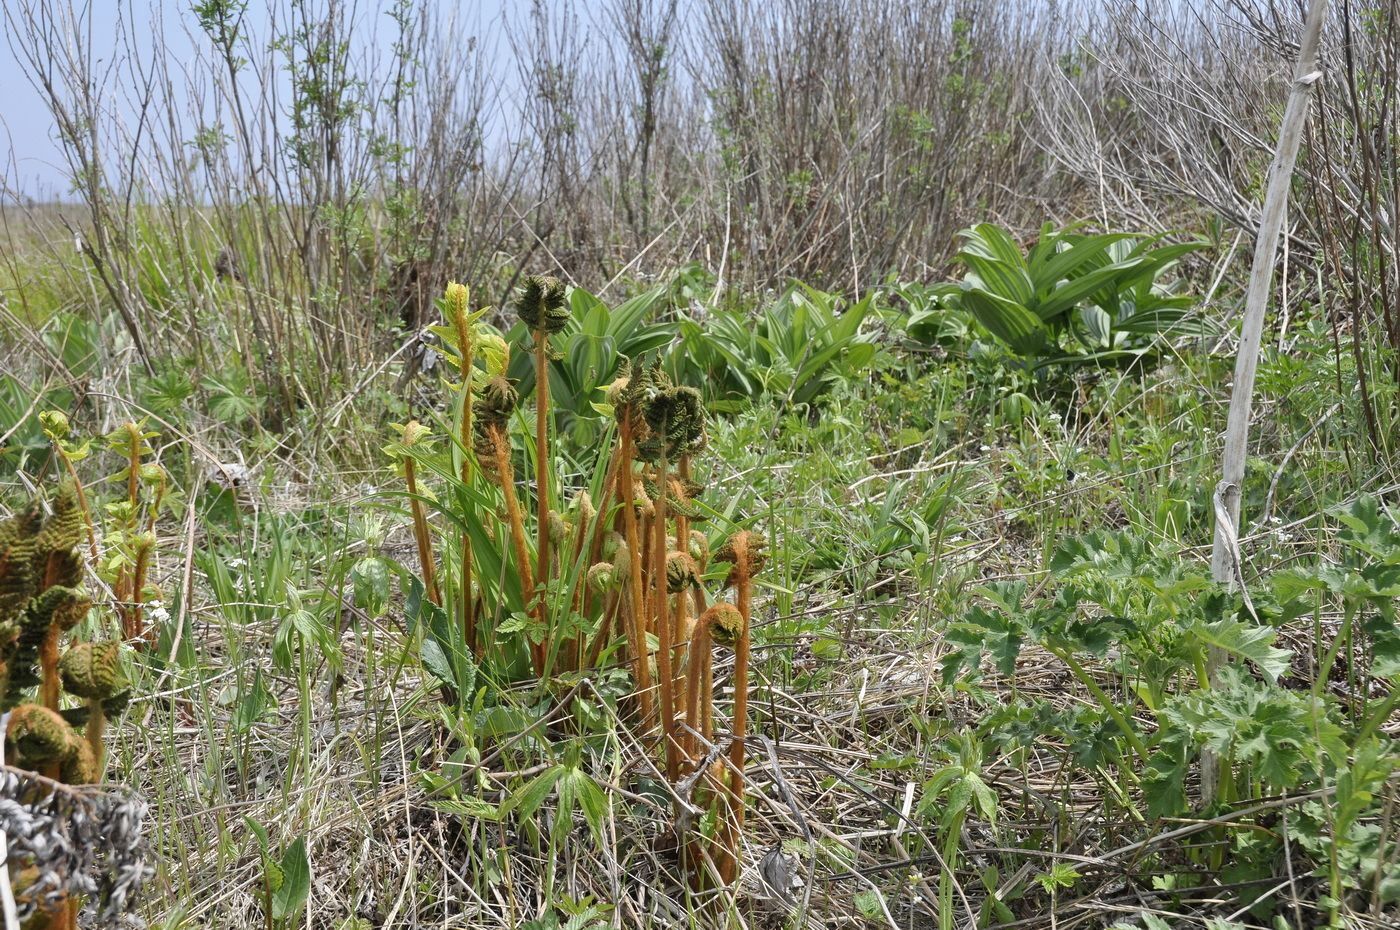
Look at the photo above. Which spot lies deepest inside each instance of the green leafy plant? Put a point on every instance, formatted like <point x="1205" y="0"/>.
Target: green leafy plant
<point x="285" y="880"/>
<point x="1073" y="298"/>
<point x="131" y="532"/>
<point x="586" y="356"/>
<point x="955" y="792"/>
<point x="1153" y="617"/>
<point x="795" y="350"/>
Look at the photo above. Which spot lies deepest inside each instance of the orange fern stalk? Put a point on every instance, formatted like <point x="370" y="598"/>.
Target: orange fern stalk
<point x="494" y="407"/>
<point x="541" y="306"/>
<point x="745" y="552"/>
<point x="675" y="427"/>
<point x="636" y="620"/>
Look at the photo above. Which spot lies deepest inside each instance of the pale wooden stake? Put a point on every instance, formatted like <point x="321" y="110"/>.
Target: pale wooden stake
<point x="1225" y="554"/>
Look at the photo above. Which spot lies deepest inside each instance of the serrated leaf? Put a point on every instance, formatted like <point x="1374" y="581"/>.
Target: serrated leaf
<point x="1385" y="646"/>
<point x="274" y="877"/>
<point x="528" y="799"/>
<point x="1370" y="529"/>
<point x="868" y="903"/>
<point x="1248" y="641"/>
<point x="469" y="807"/>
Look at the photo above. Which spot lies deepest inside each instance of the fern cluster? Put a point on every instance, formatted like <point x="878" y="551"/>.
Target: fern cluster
<point x="619" y="573"/>
<point x="42" y="600"/>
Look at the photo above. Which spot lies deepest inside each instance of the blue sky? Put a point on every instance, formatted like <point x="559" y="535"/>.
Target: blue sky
<point x="29" y="158"/>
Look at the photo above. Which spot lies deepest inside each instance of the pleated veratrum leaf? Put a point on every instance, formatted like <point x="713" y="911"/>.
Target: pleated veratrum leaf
<point x="1097" y="326"/>
<point x="991" y="241"/>
<point x="1074" y="291"/>
<point x="1069" y="262"/>
<point x="1003" y="279"/>
<point x="1009" y="321"/>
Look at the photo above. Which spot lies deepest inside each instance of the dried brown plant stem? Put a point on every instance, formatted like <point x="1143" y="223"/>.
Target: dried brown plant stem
<point x="1225" y="554"/>
<point x="636" y="626"/>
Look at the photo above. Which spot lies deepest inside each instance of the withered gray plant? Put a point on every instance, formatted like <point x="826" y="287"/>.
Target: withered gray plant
<point x="76" y="841"/>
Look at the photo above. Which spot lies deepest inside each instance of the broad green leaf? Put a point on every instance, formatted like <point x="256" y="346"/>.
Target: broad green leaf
<point x="1075" y="290"/>
<point x="1098" y="327"/>
<point x="296" y="885"/>
<point x="1008" y="321"/>
<point x="1004" y="280"/>
<point x="991" y="241"/>
<point x="1248" y="641"/>
<point x="498" y="722"/>
<point x="435" y="660"/>
<point x="1066" y="263"/>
